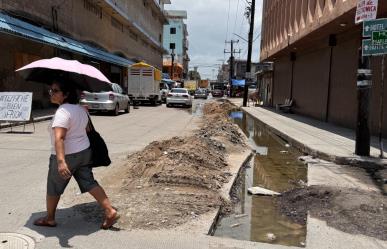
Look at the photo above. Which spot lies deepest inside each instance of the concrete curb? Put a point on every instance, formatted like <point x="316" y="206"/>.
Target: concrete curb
<point x="211" y="231"/>
<point x="363" y="162"/>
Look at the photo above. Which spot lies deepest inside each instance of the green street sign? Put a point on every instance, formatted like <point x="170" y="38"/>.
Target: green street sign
<point x="374" y="25"/>
<point x="369" y="48"/>
<point x="379" y="37"/>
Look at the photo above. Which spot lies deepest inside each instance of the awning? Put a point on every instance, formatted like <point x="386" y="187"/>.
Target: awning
<point x="13" y="26"/>
<point x="238" y="82"/>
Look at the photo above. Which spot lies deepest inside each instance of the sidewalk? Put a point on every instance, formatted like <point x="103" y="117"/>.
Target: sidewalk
<point x="317" y="138"/>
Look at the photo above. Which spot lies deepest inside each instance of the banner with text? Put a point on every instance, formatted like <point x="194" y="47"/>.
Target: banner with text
<point x="15" y="106"/>
<point x="366" y="10"/>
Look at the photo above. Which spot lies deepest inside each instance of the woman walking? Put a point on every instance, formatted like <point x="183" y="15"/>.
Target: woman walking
<point x="71" y="155"/>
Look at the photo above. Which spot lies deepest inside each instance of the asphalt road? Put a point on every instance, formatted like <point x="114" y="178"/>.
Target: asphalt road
<point x="24" y="159"/>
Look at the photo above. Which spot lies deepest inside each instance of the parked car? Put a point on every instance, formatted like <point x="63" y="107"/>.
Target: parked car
<point x="164" y="90"/>
<point x="179" y="96"/>
<point x="217" y="93"/>
<point x="201" y="93"/>
<point x="112" y="101"/>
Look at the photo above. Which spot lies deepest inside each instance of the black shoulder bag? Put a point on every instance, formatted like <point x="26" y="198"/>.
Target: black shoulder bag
<point x="100" y="153"/>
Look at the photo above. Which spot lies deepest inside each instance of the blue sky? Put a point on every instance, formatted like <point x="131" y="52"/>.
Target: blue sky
<point x="210" y="23"/>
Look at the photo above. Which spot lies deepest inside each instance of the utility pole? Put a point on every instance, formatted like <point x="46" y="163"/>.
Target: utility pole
<point x="248" y="66"/>
<point x="231" y="61"/>
<point x="364" y="82"/>
<point x="173" y="63"/>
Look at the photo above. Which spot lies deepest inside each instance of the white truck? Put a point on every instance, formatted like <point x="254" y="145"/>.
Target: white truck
<point x="144" y="83"/>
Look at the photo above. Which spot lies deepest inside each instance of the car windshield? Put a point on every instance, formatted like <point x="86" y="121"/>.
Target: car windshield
<point x="176" y="90"/>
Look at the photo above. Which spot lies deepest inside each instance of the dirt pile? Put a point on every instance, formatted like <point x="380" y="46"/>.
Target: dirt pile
<point x="349" y="210"/>
<point x="173" y="181"/>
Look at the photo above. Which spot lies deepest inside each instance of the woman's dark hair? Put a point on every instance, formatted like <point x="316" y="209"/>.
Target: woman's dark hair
<point x="67" y="88"/>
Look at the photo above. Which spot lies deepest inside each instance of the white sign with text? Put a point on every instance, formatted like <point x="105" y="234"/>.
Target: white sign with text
<point x="15" y="106"/>
<point x="366" y="10"/>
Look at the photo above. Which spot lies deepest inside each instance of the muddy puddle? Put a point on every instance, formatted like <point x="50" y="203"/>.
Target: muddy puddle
<point x="275" y="167"/>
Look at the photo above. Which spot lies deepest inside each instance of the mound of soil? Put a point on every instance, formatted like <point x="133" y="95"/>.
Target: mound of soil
<point x="349" y="210"/>
<point x="174" y="181"/>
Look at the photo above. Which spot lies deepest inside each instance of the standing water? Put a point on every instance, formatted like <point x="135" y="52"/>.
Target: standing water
<point x="275" y="167"/>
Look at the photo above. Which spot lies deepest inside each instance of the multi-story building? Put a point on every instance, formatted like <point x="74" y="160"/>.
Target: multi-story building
<point x="109" y="35"/>
<point x="176" y="41"/>
<point x="315" y="48"/>
<point x="223" y="73"/>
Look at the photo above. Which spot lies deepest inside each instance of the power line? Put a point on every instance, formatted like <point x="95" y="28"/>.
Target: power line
<point x="228" y="18"/>
<point x="236" y="16"/>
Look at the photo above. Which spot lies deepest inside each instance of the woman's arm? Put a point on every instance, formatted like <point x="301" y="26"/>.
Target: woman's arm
<point x="60" y="135"/>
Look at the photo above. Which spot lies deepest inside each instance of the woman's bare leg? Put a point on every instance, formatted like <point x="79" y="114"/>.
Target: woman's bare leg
<point x="99" y="194"/>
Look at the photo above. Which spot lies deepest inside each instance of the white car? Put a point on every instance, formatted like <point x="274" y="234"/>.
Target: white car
<point x="179" y="96"/>
<point x="113" y="101"/>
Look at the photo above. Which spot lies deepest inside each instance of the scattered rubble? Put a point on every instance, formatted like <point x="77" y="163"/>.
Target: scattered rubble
<point x="261" y="191"/>
<point x="174" y="181"/>
<point x="349" y="210"/>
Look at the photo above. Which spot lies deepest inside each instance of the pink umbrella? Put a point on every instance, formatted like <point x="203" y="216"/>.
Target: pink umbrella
<point x="85" y="77"/>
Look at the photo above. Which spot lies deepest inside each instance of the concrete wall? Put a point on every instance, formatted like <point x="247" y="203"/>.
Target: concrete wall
<point x="282" y="76"/>
<point x="343" y="95"/>
<point x="74" y="19"/>
<point x="14" y="54"/>
<point x="311" y="80"/>
<point x="310" y="83"/>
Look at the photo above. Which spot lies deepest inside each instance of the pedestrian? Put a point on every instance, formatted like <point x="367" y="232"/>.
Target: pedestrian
<point x="71" y="155"/>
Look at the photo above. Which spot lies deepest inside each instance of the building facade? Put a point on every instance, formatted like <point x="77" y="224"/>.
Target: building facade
<point x="315" y="48"/>
<point x="110" y="35"/>
<point x="176" y="40"/>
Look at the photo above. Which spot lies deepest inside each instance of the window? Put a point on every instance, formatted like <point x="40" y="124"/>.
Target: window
<point x="172" y="45"/>
<point x="173" y="31"/>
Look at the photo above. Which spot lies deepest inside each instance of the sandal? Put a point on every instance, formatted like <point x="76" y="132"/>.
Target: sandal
<point x="43" y="222"/>
<point x="109" y="222"/>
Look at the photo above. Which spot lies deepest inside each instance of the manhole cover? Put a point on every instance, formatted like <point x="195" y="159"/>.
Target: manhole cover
<point x="16" y="241"/>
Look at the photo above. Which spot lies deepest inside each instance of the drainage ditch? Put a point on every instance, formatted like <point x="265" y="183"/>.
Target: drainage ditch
<point x="274" y="166"/>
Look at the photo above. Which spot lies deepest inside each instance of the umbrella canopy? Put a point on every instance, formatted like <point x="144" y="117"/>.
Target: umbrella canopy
<point x="83" y="76"/>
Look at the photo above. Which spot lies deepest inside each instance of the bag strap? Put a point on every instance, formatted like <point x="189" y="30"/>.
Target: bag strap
<point x="90" y="124"/>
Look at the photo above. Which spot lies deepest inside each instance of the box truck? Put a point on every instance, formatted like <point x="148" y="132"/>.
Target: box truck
<point x="144" y="83"/>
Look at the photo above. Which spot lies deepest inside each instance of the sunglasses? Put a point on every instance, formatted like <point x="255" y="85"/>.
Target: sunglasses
<point x="53" y="91"/>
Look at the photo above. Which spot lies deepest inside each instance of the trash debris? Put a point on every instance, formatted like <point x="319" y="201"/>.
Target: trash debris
<point x="271" y="236"/>
<point x="284" y="152"/>
<point x="287" y="145"/>
<point x="302" y="243"/>
<point x="165" y="153"/>
<point x="235" y="225"/>
<point x="261" y="191"/>
<point x="240" y="216"/>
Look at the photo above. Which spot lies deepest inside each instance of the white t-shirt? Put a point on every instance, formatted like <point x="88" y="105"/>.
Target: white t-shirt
<point x="74" y="118"/>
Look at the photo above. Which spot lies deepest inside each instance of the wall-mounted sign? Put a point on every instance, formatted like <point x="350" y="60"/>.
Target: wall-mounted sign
<point x="366" y="10"/>
<point x="15" y="106"/>
<point x="379" y="37"/>
<point x="374" y="25"/>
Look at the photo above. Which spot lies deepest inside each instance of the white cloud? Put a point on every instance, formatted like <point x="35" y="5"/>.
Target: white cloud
<point x="207" y="28"/>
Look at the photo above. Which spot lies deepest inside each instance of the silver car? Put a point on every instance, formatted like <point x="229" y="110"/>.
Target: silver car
<point x="113" y="101"/>
<point x="179" y="96"/>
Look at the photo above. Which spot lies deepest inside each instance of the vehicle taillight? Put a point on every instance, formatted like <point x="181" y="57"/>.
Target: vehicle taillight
<point x="83" y="95"/>
<point x="170" y="95"/>
<point x="185" y="96"/>
<point x="111" y="96"/>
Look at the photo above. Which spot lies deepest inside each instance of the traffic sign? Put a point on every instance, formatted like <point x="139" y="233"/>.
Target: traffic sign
<point x="374" y="25"/>
<point x="379" y="37"/>
<point x="369" y="48"/>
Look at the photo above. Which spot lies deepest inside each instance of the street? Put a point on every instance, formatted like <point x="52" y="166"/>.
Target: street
<point x="25" y="156"/>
